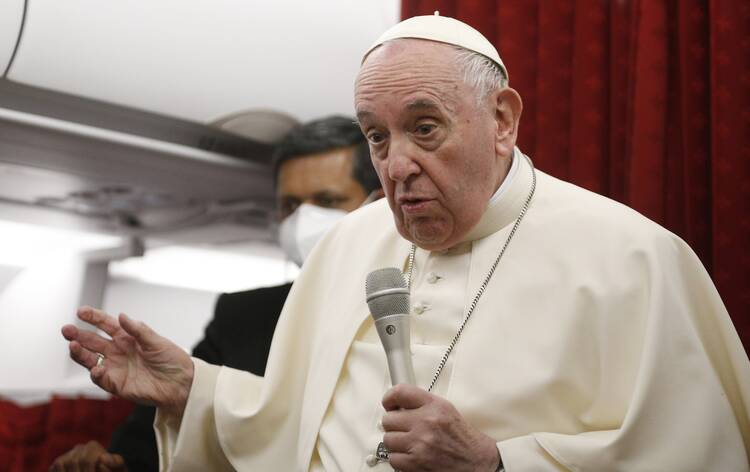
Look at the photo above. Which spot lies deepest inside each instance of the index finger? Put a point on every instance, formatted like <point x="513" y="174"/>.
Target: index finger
<point x="406" y="397"/>
<point x="100" y="319"/>
<point x="397" y="420"/>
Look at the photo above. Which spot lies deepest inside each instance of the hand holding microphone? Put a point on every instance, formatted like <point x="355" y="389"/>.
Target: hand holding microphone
<point x="413" y="440"/>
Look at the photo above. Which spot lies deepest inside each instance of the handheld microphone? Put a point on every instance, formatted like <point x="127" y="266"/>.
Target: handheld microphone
<point x="388" y="299"/>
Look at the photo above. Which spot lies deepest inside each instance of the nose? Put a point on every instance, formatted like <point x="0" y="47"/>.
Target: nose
<point x="401" y="163"/>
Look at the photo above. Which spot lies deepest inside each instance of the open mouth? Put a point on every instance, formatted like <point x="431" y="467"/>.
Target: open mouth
<point x="413" y="205"/>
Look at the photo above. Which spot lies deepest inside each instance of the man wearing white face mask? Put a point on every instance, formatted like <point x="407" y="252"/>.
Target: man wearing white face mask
<point x="322" y="171"/>
<point x="300" y="231"/>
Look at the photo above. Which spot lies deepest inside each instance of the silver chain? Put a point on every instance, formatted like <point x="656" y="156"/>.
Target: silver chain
<point x="483" y="287"/>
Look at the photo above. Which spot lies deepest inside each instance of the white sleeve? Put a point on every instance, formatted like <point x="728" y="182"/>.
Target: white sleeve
<point x="191" y="443"/>
<point x="524" y="453"/>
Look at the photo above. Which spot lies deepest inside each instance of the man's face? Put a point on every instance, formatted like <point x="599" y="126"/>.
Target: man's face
<point x="323" y="179"/>
<point x="432" y="145"/>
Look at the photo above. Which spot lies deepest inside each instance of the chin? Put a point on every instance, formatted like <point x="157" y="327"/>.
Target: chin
<point x="430" y="239"/>
<point x="434" y="247"/>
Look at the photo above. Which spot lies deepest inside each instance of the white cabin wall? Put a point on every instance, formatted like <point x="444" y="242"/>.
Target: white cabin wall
<point x="179" y="314"/>
<point x="6" y="275"/>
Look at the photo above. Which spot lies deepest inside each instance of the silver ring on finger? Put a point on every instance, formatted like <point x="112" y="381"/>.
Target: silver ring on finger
<point x="99" y="359"/>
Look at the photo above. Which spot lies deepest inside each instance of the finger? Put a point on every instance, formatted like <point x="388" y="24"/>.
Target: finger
<point x="69" y="466"/>
<point x="145" y="336"/>
<point x="82" y="355"/>
<point x="405" y="396"/>
<point x="401" y="461"/>
<point x="91" y="452"/>
<point x="104" y="468"/>
<point x="112" y="461"/>
<point x="72" y="465"/>
<point x="97" y="374"/>
<point x="70" y="332"/>
<point x="68" y="460"/>
<point x="93" y="342"/>
<point x="105" y="379"/>
<point x="100" y="319"/>
<point x="397" y="441"/>
<point x="398" y="420"/>
<point x="57" y="466"/>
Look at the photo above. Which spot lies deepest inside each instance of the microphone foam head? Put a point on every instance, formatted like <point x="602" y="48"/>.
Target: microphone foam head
<point x="387" y="293"/>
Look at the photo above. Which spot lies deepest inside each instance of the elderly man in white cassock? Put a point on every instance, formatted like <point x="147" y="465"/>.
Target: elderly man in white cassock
<point x="551" y="328"/>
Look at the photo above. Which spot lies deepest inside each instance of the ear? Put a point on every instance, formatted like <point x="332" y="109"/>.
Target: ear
<point x="507" y="107"/>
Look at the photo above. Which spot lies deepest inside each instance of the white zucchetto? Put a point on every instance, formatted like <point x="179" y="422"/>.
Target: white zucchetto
<point x="442" y="29"/>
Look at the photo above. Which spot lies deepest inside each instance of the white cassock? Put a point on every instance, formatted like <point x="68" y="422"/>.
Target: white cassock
<point x="600" y="345"/>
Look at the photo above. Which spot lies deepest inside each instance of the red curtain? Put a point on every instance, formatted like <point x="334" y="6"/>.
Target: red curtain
<point x="32" y="437"/>
<point x="645" y="101"/>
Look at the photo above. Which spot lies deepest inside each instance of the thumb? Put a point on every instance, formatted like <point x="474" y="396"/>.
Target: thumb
<point x="112" y="461"/>
<point x="145" y="336"/>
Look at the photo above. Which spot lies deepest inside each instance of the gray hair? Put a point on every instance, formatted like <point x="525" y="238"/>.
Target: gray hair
<point x="480" y="72"/>
<point x="327" y="134"/>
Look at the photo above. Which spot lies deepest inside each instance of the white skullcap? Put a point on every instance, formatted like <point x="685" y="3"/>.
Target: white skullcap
<point x="442" y="29"/>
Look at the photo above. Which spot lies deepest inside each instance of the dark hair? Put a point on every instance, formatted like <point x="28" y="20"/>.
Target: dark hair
<point x="326" y="134"/>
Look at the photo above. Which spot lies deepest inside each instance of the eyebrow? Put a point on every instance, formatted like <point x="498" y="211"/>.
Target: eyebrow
<point x="361" y="115"/>
<point x="418" y="104"/>
<point x="422" y="104"/>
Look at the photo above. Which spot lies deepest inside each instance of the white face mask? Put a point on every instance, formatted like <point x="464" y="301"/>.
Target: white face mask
<point x="300" y="231"/>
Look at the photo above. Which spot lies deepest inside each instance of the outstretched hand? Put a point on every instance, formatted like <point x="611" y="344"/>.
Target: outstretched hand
<point x="138" y="365"/>
<point x="424" y="432"/>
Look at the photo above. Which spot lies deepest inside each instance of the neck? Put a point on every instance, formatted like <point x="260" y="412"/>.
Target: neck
<point x="506" y="203"/>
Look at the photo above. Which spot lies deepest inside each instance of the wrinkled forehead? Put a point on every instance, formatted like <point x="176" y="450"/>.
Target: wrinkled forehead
<point x="412" y="70"/>
<point x="400" y="55"/>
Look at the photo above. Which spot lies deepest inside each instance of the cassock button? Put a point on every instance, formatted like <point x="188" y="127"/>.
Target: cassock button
<point x="371" y="460"/>
<point x="420" y="307"/>
<point x="432" y="278"/>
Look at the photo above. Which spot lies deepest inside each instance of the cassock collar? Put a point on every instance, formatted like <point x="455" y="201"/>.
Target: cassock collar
<point x="505" y="205"/>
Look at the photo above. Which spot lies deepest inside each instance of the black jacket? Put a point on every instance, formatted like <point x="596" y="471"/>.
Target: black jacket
<point x="239" y="336"/>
